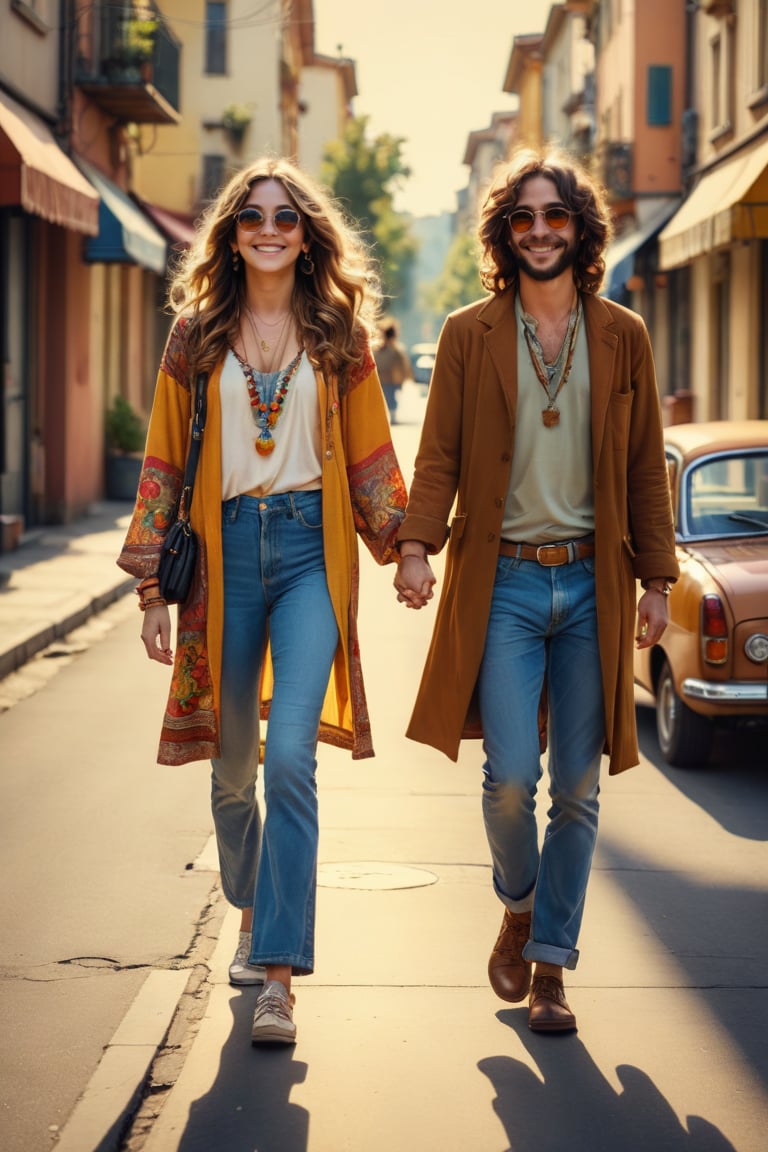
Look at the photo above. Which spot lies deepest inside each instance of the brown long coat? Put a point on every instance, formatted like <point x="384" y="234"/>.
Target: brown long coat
<point x="466" y="455"/>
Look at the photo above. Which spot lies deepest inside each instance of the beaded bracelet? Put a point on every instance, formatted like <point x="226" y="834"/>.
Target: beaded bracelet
<point x="153" y="600"/>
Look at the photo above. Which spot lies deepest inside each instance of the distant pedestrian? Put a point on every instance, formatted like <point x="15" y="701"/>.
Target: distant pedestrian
<point x="393" y="365"/>
<point x="544" y="425"/>
<point x="275" y="301"/>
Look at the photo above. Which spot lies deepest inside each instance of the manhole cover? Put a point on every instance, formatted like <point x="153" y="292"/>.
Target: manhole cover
<point x="373" y="874"/>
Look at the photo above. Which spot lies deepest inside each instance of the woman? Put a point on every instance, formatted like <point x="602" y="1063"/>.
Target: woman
<point x="275" y="301"/>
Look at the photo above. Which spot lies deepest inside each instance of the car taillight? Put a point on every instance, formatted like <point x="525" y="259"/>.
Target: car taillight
<point x="714" y="630"/>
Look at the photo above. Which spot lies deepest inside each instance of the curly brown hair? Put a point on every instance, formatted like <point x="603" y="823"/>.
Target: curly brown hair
<point x="580" y="194"/>
<point x="335" y="304"/>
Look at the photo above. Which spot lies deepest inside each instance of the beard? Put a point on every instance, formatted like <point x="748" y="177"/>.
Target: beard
<point x="566" y="259"/>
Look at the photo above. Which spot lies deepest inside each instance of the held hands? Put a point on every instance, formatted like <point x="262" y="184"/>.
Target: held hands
<point x="414" y="579"/>
<point x="156" y="634"/>
<point x="652" y="618"/>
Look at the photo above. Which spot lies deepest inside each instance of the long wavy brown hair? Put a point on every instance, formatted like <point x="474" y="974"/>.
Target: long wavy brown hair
<point x="580" y="194"/>
<point x="332" y="304"/>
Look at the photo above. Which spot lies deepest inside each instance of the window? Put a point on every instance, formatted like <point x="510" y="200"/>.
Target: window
<point x="722" y="59"/>
<point x="716" y="53"/>
<point x="762" y="43"/>
<point x="215" y="39"/>
<point x="659" y="94"/>
<point x="213" y="176"/>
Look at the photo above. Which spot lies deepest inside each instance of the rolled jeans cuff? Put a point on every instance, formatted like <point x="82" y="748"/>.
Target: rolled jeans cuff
<point x="518" y="906"/>
<point x="550" y="954"/>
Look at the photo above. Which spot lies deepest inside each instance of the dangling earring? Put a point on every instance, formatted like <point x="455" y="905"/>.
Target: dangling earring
<point x="235" y="260"/>
<point x="308" y="264"/>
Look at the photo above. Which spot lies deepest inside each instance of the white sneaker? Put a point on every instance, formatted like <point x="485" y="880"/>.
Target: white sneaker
<point x="240" y="971"/>
<point x="273" y="1018"/>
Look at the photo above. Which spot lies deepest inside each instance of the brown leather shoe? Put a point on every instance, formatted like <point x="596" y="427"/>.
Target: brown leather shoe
<point x="509" y="974"/>
<point x="548" y="1009"/>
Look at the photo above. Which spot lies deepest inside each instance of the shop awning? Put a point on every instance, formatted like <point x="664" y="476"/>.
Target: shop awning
<point x="177" y="227"/>
<point x="620" y="258"/>
<point x="37" y="176"/>
<point x="730" y="202"/>
<point x="125" y="235"/>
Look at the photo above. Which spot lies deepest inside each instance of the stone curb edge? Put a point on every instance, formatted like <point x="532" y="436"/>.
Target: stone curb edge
<point x="110" y="1098"/>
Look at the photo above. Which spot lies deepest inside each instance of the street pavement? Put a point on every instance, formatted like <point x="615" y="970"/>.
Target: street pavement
<point x="401" y="1042"/>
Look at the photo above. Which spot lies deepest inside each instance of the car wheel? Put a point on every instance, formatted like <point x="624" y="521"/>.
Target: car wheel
<point x="685" y="738"/>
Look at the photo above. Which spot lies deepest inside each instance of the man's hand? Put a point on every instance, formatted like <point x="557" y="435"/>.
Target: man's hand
<point x="414" y="579"/>
<point x="652" y="618"/>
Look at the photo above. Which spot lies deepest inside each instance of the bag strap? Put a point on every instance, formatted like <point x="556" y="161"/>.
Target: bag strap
<point x="193" y="456"/>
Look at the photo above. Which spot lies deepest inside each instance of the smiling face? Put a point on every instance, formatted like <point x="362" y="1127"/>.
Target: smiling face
<point x="543" y="253"/>
<point x="269" y="249"/>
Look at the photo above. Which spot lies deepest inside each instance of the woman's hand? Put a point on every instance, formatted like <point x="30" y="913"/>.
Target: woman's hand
<point x="414" y="581"/>
<point x="156" y="634"/>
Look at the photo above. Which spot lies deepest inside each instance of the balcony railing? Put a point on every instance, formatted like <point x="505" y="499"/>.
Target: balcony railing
<point x="128" y="63"/>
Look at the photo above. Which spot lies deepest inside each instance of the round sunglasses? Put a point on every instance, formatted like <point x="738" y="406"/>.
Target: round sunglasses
<point x="253" y="219"/>
<point x="522" y="219"/>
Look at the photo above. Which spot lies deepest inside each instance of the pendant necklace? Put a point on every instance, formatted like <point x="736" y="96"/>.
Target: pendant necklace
<point x="550" y="416"/>
<point x="267" y="399"/>
<point x="265" y="345"/>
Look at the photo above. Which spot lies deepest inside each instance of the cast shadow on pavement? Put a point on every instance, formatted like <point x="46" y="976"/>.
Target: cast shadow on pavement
<point x="575" y="1107"/>
<point x="248" y="1109"/>
<point x="730" y="787"/>
<point x="687" y="915"/>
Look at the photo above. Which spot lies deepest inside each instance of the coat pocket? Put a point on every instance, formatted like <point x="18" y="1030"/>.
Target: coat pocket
<point x="456" y="529"/>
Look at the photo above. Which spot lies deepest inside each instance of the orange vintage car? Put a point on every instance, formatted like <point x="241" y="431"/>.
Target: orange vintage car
<point x="712" y="663"/>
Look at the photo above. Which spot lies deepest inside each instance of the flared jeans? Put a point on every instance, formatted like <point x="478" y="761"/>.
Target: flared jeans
<point x="543" y="622"/>
<point x="275" y="588"/>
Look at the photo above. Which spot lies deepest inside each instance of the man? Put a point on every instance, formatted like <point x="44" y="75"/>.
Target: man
<point x="544" y="425"/>
<point x="393" y="367"/>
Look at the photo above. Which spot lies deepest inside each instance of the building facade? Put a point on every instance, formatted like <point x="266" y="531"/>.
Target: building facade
<point x="714" y="251"/>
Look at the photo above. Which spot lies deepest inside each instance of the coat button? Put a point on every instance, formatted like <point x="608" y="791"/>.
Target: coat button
<point x="505" y="456"/>
<point x="498" y="501"/>
<point x="328" y="454"/>
<point x="491" y="537"/>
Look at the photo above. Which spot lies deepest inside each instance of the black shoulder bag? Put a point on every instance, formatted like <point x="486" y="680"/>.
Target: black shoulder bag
<point x="178" y="555"/>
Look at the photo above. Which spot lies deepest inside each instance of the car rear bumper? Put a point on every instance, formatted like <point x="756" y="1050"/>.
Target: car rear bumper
<point x="730" y="692"/>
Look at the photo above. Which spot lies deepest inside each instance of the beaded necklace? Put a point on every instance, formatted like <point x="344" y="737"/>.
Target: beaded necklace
<point x="556" y="374"/>
<point x="267" y="396"/>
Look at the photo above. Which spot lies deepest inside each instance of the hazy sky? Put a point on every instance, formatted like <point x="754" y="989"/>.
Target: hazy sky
<point x="430" y="71"/>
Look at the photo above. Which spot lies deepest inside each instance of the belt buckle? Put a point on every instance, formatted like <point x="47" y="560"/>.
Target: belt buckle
<point x="551" y="548"/>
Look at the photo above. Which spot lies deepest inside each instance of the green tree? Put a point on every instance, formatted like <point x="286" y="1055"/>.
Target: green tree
<point x="363" y="175"/>
<point x="459" y="283"/>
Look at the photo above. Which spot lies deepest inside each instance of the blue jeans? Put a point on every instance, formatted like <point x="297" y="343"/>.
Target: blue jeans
<point x="542" y="621"/>
<point x="274" y="586"/>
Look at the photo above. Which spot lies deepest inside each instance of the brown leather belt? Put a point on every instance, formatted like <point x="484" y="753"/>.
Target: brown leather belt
<point x="550" y="555"/>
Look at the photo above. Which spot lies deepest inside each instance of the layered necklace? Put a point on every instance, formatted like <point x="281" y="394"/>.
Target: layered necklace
<point x="267" y="395"/>
<point x="553" y="377"/>
<point x="265" y="345"/>
<point x="267" y="387"/>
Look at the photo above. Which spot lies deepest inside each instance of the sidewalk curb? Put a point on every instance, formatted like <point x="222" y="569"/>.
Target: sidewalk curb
<point x="20" y="653"/>
<point x="109" y="1100"/>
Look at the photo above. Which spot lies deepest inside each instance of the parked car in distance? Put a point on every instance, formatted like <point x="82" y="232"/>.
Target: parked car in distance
<point x="423" y="361"/>
<point x="711" y="664"/>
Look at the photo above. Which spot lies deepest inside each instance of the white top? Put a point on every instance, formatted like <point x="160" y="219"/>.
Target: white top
<point x="550" y="494"/>
<point x="294" y="464"/>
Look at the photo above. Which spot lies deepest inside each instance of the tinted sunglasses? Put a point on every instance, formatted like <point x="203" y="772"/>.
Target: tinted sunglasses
<point x="253" y="219"/>
<point x="522" y="219"/>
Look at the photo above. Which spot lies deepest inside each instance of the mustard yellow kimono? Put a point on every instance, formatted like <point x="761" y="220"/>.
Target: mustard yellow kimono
<point x="363" y="492"/>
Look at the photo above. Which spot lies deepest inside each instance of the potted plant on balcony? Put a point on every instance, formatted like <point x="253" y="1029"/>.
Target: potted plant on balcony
<point x="235" y="119"/>
<point x="134" y="49"/>
<point x="125" y="434"/>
